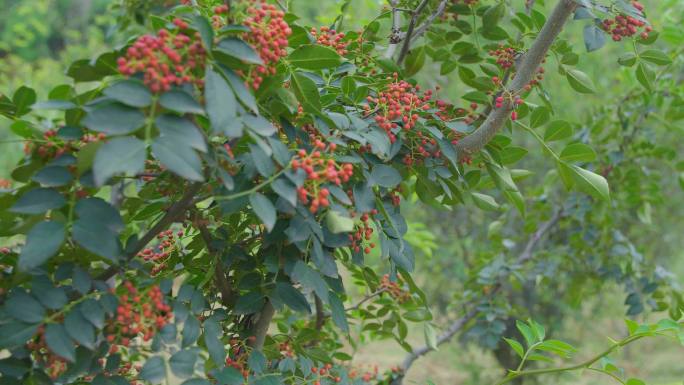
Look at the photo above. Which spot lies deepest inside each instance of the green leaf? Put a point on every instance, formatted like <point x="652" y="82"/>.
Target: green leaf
<point x="591" y="183"/>
<point x="125" y="155"/>
<point x="513" y="154"/>
<point x="292" y="297"/>
<point x="42" y="242"/>
<point x="38" y="201"/>
<point x="97" y="228"/>
<point x="241" y="91"/>
<point x="23" y="307"/>
<point x="485" y="202"/>
<point x="628" y="59"/>
<point x="578" y="152"/>
<point x="196" y="381"/>
<point x="180" y="101"/>
<point x="229" y="376"/>
<point x="259" y="125"/>
<point x="174" y="154"/>
<point x="212" y="338"/>
<point x="239" y="49"/>
<point x="113" y="118"/>
<point x="580" y="82"/>
<point x="23" y="98"/>
<point x="310" y="279"/>
<point x="86" y="156"/>
<point x="220" y="101"/>
<point x="526" y="332"/>
<point x="202" y="25"/>
<point x="645" y="75"/>
<point x="264" y="209"/>
<point x="339" y="315"/>
<point x="516" y="346"/>
<point x="430" y="336"/>
<point x="182" y="363"/>
<point x="306" y="92"/>
<point x="539" y="116"/>
<point x="385" y="176"/>
<point x="80" y="329"/>
<point x="257" y="361"/>
<point x="47" y="294"/>
<point x="59" y="342"/>
<point x="557" y="130"/>
<point x="181" y="129"/>
<point x="249" y="303"/>
<point x="53" y="176"/>
<point x="191" y="331"/>
<point x="594" y="37"/>
<point x="154" y="370"/>
<point x="129" y="92"/>
<point x="314" y="57"/>
<point x="93" y="312"/>
<point x="338" y="223"/>
<point x="656" y="57"/>
<point x="415" y="60"/>
<point x="14" y="334"/>
<point x="634" y="381"/>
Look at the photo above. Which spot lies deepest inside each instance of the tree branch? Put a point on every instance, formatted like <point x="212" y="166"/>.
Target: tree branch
<point x="171" y="216"/>
<point x="320" y="316"/>
<point x="260" y="329"/>
<point x="423" y="27"/>
<point x="220" y="277"/>
<point x="394" y="38"/>
<point x="409" y="31"/>
<point x="525" y="72"/>
<point x="366" y="299"/>
<point x="460" y="323"/>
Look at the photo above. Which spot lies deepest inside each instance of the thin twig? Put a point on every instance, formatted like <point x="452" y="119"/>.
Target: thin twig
<point x="220" y="276"/>
<point x="409" y="31"/>
<point x="366" y="299"/>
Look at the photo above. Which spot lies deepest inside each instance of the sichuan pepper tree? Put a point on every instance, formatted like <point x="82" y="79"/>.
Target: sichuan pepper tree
<point x="186" y="209"/>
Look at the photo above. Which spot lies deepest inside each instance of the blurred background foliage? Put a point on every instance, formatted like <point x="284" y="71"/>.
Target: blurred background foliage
<point x="584" y="279"/>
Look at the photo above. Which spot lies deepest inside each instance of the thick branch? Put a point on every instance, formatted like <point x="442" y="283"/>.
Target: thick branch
<point x="394" y="38"/>
<point x="430" y="20"/>
<point x="409" y="31"/>
<point x="320" y="316"/>
<point x="260" y="329"/>
<point x="524" y="74"/>
<point x="460" y="323"/>
<point x="172" y="215"/>
<point x="220" y="277"/>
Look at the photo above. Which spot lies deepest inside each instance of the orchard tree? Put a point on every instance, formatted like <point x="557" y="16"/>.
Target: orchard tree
<point x="200" y="205"/>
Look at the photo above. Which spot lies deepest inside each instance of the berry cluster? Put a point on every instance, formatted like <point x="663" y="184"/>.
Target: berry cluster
<point x="367" y="375"/>
<point x="268" y="35"/>
<point x="330" y="38"/>
<point x="160" y="253"/>
<point x="5" y="184"/>
<point x="324" y="372"/>
<point x="320" y="167"/>
<point x="170" y="58"/>
<point x="623" y="26"/>
<point x="53" y="147"/>
<point x="239" y="355"/>
<point x="54" y="365"/>
<point x="516" y="101"/>
<point x="399" y="103"/>
<point x="420" y="148"/>
<point x="394" y="289"/>
<point x="504" y="56"/>
<point x="362" y="234"/>
<point x="218" y="19"/>
<point x="138" y="314"/>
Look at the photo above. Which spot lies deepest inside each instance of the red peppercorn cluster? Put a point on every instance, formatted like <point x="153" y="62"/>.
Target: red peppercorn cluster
<point x="320" y="168"/>
<point x="239" y="355"/>
<point x="170" y="58"/>
<point x="394" y="289"/>
<point x="399" y="102"/>
<point x="367" y="375"/>
<point x="324" y="372"/>
<point x="361" y="237"/>
<point x="330" y="38"/>
<point x="516" y="101"/>
<point x="168" y="243"/>
<point x="623" y="26"/>
<point x="139" y="314"/>
<point x="218" y="19"/>
<point x="268" y="35"/>
<point x="421" y="147"/>
<point x="5" y="250"/>
<point x="53" y="147"/>
<point x="505" y="56"/>
<point x="54" y="365"/>
<point x="5" y="183"/>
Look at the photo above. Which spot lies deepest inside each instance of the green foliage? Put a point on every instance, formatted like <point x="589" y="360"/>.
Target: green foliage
<point x="203" y="202"/>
